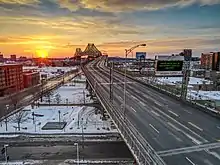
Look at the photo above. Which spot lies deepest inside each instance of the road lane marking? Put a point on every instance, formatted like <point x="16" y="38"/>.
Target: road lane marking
<point x="185" y="127"/>
<point x="193" y="139"/>
<point x="133" y="109"/>
<point x="156" y="102"/>
<point x="177" y="138"/>
<point x="154" y="128"/>
<point x="134" y="97"/>
<point x="177" y="129"/>
<point x="120" y="97"/>
<point x="218" y="127"/>
<point x="142" y="103"/>
<point x="155" y="113"/>
<point x="195" y="126"/>
<point x="173" y="113"/>
<point x="187" y="111"/>
<point x="190" y="161"/>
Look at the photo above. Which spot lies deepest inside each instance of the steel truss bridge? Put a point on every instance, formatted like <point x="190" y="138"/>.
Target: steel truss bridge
<point x="157" y="128"/>
<point x="90" y="51"/>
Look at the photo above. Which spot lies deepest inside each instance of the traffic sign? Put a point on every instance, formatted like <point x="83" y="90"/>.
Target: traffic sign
<point x="140" y="55"/>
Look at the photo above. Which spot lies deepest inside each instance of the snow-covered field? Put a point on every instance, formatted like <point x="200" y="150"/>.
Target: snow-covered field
<point x="177" y="80"/>
<point x="71" y="93"/>
<point x="204" y="95"/>
<point x="88" y="120"/>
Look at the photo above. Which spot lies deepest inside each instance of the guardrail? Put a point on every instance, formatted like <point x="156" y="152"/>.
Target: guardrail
<point x="141" y="149"/>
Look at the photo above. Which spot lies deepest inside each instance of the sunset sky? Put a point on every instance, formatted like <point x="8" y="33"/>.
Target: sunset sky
<point x="60" y="26"/>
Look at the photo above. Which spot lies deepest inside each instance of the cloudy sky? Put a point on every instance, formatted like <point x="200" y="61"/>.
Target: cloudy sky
<point x="60" y="26"/>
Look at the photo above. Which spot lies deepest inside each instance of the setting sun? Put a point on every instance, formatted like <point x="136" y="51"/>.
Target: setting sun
<point x="42" y="53"/>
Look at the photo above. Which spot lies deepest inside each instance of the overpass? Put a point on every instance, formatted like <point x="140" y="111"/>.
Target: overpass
<point x="157" y="128"/>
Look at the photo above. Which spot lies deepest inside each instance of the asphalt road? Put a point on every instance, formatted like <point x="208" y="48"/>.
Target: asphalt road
<point x="95" y="151"/>
<point x="163" y="121"/>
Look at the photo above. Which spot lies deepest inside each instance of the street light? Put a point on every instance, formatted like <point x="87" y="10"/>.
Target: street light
<point x="6" y="156"/>
<point x="127" y="52"/>
<point x="6" y="120"/>
<point x="77" y="152"/>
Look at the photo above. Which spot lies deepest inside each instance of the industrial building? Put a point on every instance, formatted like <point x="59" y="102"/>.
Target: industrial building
<point x="11" y="78"/>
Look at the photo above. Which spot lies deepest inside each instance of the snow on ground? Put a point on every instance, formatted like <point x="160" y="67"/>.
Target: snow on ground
<point x="204" y="95"/>
<point x="71" y="92"/>
<point x="91" y="122"/>
<point x="176" y="80"/>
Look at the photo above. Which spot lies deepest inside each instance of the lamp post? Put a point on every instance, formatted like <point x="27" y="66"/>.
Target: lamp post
<point x="6" y="119"/>
<point x="127" y="52"/>
<point x="6" y="155"/>
<point x="77" y="152"/>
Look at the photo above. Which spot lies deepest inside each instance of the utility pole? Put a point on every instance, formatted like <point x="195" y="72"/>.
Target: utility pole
<point x="111" y="82"/>
<point x="6" y="118"/>
<point x="82" y="135"/>
<point x="77" y="152"/>
<point x="59" y="116"/>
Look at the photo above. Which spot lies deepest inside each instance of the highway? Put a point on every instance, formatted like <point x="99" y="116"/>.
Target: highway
<point x="164" y="122"/>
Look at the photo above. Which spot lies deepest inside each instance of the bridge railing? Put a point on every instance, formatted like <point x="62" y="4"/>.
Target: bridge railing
<point x="141" y="149"/>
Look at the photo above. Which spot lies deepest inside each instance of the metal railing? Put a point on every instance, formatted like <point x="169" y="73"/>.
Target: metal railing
<point x="141" y="149"/>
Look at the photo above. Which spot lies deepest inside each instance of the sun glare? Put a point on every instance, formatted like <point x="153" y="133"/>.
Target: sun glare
<point x="42" y="53"/>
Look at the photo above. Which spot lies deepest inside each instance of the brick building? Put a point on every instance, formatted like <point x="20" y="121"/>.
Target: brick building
<point x="11" y="79"/>
<point x="206" y="61"/>
<point x="211" y="61"/>
<point x="31" y="78"/>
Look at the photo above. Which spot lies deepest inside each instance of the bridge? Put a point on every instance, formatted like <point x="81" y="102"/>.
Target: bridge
<point x="90" y="51"/>
<point x="157" y="128"/>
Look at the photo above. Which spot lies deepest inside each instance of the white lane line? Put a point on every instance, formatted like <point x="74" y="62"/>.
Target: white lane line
<point x="156" y="102"/>
<point x="190" y="161"/>
<point x="177" y="129"/>
<point x="134" y="97"/>
<point x="173" y="113"/>
<point x="193" y="139"/>
<point x="177" y="138"/>
<point x="155" y="113"/>
<point x="195" y="126"/>
<point x="185" y="127"/>
<point x="187" y="111"/>
<point x="218" y="127"/>
<point x="154" y="128"/>
<point x="133" y="109"/>
<point x="120" y="97"/>
<point x="142" y="103"/>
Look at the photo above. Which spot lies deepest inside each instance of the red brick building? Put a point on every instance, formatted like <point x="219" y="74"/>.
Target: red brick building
<point x="11" y="78"/>
<point x="31" y="78"/>
<point x="211" y="61"/>
<point x="206" y="60"/>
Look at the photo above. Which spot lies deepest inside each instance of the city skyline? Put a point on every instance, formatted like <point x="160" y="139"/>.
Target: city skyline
<point x="59" y="27"/>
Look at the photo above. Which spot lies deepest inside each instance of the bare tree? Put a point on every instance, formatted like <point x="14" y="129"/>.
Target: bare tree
<point x="20" y="118"/>
<point x="48" y="96"/>
<point x="58" y="98"/>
